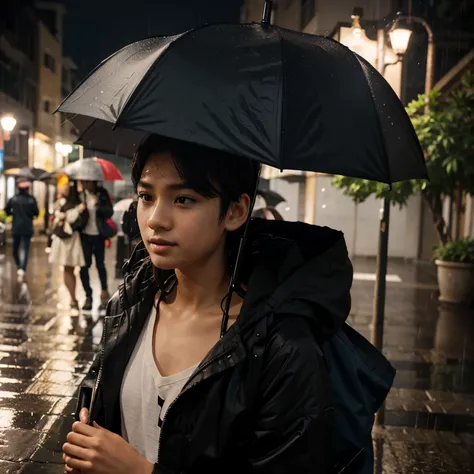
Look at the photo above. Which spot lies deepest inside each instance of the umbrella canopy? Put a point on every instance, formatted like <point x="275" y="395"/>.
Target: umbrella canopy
<point x="26" y="173"/>
<point x="123" y="205"/>
<point x="93" y="169"/>
<point x="286" y="99"/>
<point x="271" y="198"/>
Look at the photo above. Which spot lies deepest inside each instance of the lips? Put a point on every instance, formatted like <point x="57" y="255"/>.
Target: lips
<point x="161" y="242"/>
<point x="160" y="246"/>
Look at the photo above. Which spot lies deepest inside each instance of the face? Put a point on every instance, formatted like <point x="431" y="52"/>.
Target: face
<point x="179" y="227"/>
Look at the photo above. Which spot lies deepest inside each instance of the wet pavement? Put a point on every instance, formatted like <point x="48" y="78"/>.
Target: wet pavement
<point x="45" y="352"/>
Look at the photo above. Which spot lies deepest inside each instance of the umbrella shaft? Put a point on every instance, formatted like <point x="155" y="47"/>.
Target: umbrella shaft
<point x="267" y="12"/>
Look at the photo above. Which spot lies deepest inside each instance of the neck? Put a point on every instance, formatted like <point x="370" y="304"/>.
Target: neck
<point x="203" y="286"/>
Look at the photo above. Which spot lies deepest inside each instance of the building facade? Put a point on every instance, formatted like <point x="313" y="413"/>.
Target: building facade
<point x="18" y="88"/>
<point x="68" y="132"/>
<point x="48" y="126"/>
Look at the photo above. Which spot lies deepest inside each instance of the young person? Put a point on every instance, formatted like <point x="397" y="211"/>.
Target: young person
<point x="24" y="208"/>
<point x="99" y="208"/>
<point x="169" y="394"/>
<point x="67" y="252"/>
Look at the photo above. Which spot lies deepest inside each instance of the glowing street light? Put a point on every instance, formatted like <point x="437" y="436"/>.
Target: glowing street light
<point x="8" y="123"/>
<point x="63" y="148"/>
<point x="399" y="38"/>
<point x="67" y="149"/>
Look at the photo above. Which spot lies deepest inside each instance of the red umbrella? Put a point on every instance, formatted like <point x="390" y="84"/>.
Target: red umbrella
<point x="111" y="172"/>
<point x="93" y="169"/>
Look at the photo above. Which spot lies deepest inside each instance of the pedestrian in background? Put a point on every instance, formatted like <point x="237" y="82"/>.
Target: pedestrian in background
<point x="93" y="237"/>
<point x="66" y="246"/>
<point x="24" y="208"/>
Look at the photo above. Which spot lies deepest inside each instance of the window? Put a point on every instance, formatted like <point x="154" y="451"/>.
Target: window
<point x="49" y="62"/>
<point x="11" y="145"/>
<point x="47" y="106"/>
<point x="30" y="96"/>
<point x="65" y="76"/>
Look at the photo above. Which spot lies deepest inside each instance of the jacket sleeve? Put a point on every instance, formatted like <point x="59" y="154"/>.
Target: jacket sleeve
<point x="9" y="207"/>
<point x="294" y="414"/>
<point x="87" y="386"/>
<point x="72" y="215"/>
<point x="34" y="208"/>
<point x="104" y="206"/>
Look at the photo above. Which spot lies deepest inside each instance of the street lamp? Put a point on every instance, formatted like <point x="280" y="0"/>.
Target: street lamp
<point x="67" y="149"/>
<point x="399" y="37"/>
<point x="8" y="123"/>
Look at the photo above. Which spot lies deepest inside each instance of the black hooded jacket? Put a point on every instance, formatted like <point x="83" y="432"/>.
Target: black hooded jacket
<point x="260" y="401"/>
<point x="24" y="208"/>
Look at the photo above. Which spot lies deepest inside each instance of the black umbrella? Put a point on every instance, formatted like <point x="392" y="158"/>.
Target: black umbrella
<point x="26" y="173"/>
<point x="286" y="99"/>
<point x="271" y="198"/>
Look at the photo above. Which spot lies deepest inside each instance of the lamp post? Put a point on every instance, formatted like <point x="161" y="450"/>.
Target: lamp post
<point x="399" y="38"/>
<point x="396" y="37"/>
<point x="7" y="124"/>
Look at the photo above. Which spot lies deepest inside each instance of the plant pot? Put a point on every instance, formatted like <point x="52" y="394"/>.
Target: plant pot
<point x="456" y="282"/>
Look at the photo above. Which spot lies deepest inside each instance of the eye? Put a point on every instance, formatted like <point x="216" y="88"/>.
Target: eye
<point x="144" y="197"/>
<point x="185" y="200"/>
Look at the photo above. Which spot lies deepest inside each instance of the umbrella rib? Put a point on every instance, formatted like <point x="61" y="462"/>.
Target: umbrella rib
<point x="377" y="115"/>
<point x="166" y="52"/>
<point x="90" y="75"/>
<point x="281" y="94"/>
<point x="142" y="81"/>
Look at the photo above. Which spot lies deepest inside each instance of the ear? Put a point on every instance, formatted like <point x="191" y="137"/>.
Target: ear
<point x="237" y="213"/>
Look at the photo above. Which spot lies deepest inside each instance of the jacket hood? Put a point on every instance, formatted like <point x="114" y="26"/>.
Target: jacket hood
<point x="292" y="267"/>
<point x="299" y="269"/>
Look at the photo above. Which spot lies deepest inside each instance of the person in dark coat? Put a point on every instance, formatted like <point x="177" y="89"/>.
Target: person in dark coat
<point x="168" y="394"/>
<point x="24" y="208"/>
<point x="99" y="209"/>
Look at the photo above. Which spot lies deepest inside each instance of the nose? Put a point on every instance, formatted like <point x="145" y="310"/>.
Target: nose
<point x="160" y="218"/>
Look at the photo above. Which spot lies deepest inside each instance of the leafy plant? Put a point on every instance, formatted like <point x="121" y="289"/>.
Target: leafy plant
<point x="446" y="135"/>
<point x="461" y="250"/>
<point x="4" y="218"/>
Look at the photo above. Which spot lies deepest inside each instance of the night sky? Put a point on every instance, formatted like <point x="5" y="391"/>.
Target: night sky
<point x="94" y="29"/>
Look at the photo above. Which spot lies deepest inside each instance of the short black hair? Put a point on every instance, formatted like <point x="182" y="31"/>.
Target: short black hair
<point x="211" y="173"/>
<point x="73" y="198"/>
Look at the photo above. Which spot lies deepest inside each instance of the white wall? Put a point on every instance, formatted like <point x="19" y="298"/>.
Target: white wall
<point x="360" y="223"/>
<point x="290" y="210"/>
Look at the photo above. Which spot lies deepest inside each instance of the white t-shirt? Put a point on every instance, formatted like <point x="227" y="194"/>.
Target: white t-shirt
<point x="91" y="203"/>
<point x="146" y="396"/>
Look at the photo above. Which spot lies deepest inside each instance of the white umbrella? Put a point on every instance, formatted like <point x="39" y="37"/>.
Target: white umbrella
<point x="93" y="169"/>
<point x="123" y="205"/>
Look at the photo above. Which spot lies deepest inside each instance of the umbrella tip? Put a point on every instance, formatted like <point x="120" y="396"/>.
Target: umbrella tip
<point x="267" y="12"/>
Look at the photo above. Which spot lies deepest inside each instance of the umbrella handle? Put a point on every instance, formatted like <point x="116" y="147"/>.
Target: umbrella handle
<point x="267" y="12"/>
<point x="234" y="280"/>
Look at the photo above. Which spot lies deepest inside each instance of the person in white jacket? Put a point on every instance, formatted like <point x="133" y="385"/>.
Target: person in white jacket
<point x="67" y="251"/>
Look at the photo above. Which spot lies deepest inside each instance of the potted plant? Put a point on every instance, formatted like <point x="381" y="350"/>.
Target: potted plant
<point x="446" y="134"/>
<point x="455" y="262"/>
